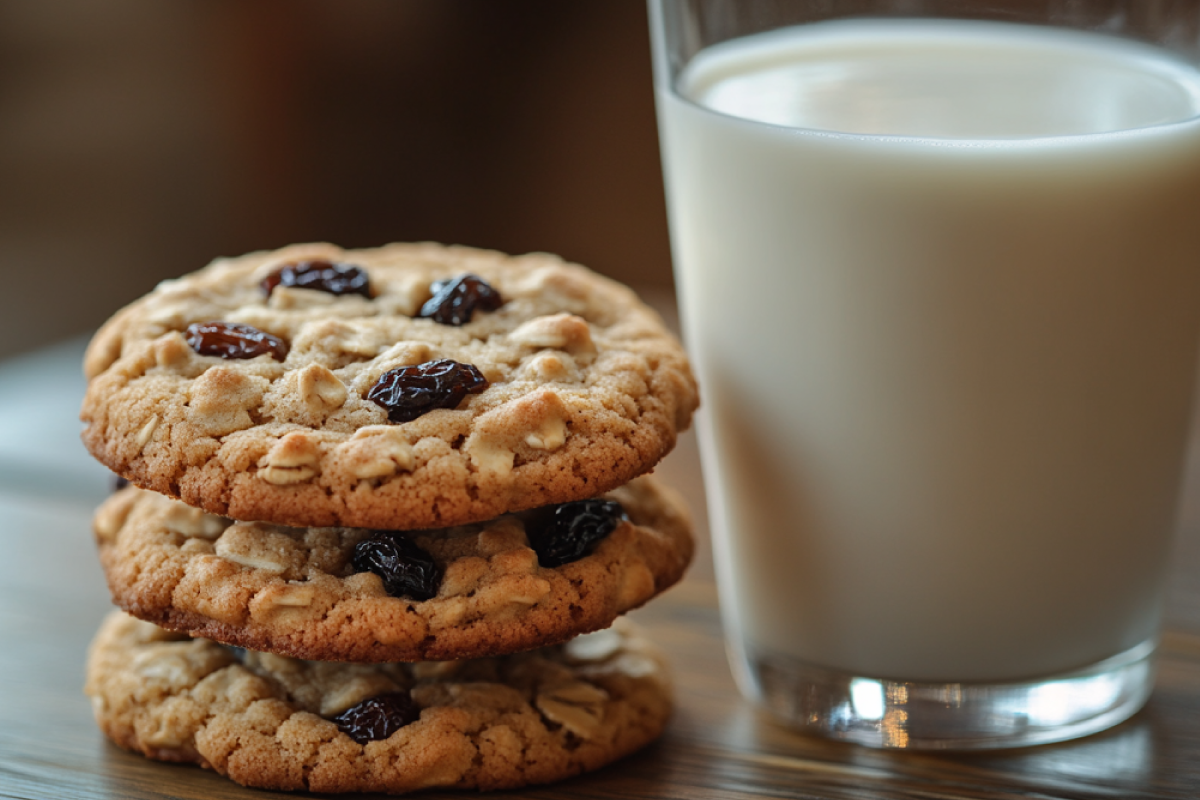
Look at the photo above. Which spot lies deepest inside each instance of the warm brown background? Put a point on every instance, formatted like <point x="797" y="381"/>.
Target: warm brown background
<point x="141" y="138"/>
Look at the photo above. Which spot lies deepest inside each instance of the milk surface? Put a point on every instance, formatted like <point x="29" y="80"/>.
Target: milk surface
<point x="941" y="283"/>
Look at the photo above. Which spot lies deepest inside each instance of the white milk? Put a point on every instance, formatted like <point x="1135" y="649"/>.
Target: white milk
<point x="947" y="379"/>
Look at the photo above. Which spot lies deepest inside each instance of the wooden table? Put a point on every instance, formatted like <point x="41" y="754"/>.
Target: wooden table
<point x="52" y="597"/>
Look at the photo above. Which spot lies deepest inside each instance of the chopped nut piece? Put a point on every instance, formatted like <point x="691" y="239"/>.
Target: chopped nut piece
<point x="293" y="450"/>
<point x="523" y="590"/>
<point x="404" y="354"/>
<point x="286" y="476"/>
<point x="296" y="596"/>
<point x="550" y="435"/>
<point x="220" y="398"/>
<point x="293" y="459"/>
<point x="147" y="431"/>
<point x="491" y="457"/>
<point x="192" y="522"/>
<point x="595" y="646"/>
<point x="290" y="298"/>
<point x="171" y="350"/>
<point x="527" y="590"/>
<point x="378" y="451"/>
<point x="431" y="670"/>
<point x="194" y="592"/>
<point x="320" y="389"/>
<point x="197" y="546"/>
<point x="557" y="332"/>
<point x="283" y="604"/>
<point x="577" y="706"/>
<point x="549" y="367"/>
<point x="337" y="337"/>
<point x="248" y="545"/>
<point x="536" y="420"/>
<point x="249" y="561"/>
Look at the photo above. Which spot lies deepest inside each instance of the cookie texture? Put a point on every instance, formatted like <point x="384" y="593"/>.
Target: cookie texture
<point x="296" y="591"/>
<point x="585" y="389"/>
<point x="266" y="721"/>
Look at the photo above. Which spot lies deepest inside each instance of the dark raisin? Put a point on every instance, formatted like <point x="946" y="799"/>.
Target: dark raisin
<point x="409" y="392"/>
<point x="234" y="340"/>
<point x="119" y="483"/>
<point x="324" y="276"/>
<point x="568" y="532"/>
<point x="406" y="569"/>
<point x="455" y="300"/>
<point x="379" y="717"/>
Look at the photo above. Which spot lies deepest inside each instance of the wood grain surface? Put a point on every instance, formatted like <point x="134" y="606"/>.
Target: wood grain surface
<point x="718" y="746"/>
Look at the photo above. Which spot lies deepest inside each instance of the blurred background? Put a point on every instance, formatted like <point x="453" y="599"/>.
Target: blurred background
<point x="139" y="139"/>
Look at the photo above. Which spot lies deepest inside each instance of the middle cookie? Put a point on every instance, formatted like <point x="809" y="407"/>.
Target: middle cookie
<point x="513" y="583"/>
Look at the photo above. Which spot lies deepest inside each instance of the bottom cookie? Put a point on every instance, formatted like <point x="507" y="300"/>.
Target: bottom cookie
<point x="273" y="722"/>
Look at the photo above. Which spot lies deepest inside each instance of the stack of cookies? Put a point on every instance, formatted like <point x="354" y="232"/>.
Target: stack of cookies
<point x="385" y="507"/>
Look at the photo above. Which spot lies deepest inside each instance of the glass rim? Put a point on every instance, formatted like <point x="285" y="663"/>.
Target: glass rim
<point x="670" y="71"/>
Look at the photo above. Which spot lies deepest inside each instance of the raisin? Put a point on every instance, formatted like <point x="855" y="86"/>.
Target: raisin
<point x="409" y="392"/>
<point x="378" y="718"/>
<point x="455" y="300"/>
<point x="119" y="482"/>
<point x="324" y="276"/>
<point x="234" y="340"/>
<point x="406" y="569"/>
<point x="568" y="532"/>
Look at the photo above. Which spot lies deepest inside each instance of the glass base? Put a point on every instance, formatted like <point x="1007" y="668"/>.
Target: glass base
<point x="951" y="716"/>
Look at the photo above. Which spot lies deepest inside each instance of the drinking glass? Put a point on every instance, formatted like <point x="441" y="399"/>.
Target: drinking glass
<point x="937" y="268"/>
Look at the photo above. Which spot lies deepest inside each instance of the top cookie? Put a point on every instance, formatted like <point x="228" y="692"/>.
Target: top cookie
<point x="308" y="419"/>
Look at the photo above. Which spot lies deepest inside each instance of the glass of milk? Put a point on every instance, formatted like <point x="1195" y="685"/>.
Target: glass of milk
<point x="939" y="271"/>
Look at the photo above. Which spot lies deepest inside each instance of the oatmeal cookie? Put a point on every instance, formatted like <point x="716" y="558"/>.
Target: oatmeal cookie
<point x="409" y="386"/>
<point x="304" y="592"/>
<point x="278" y="723"/>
